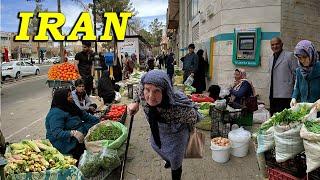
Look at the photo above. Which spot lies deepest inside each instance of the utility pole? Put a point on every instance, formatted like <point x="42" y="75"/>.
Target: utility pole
<point x="61" y="42"/>
<point x="95" y="25"/>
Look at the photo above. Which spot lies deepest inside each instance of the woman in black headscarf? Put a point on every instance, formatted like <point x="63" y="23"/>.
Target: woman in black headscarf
<point x="200" y="76"/>
<point x="67" y="125"/>
<point x="105" y="88"/>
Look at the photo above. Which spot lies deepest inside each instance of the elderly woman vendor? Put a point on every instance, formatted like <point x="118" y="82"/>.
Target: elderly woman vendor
<point x="170" y="115"/>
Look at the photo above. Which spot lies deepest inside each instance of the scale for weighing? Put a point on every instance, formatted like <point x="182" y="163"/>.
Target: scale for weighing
<point x="246" y="47"/>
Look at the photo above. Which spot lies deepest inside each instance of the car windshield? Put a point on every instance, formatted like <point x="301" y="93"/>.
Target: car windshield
<point x="7" y="64"/>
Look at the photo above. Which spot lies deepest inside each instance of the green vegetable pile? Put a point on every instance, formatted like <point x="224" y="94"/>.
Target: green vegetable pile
<point x="313" y="126"/>
<point x="285" y="117"/>
<point x="104" y="132"/>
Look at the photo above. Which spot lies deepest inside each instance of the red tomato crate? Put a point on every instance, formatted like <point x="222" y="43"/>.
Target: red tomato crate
<point x="121" y="118"/>
<point x="275" y="174"/>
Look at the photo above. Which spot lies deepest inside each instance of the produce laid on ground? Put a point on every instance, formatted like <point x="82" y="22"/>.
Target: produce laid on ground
<point x="103" y="132"/>
<point x="65" y="71"/>
<point x="135" y="77"/>
<point x="201" y="98"/>
<point x="35" y="156"/>
<point x="115" y="112"/>
<point x="220" y="141"/>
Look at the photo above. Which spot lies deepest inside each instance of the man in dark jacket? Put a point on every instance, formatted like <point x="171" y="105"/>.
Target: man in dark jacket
<point x="190" y="63"/>
<point x="170" y="66"/>
<point x="84" y="65"/>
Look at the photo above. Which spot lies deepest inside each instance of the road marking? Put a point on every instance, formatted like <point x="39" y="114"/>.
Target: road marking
<point x="24" y="128"/>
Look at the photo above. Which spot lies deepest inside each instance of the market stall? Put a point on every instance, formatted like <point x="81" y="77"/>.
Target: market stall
<point x="288" y="144"/>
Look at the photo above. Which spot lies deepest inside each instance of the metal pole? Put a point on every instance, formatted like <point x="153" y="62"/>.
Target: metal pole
<point x="95" y="25"/>
<point x="61" y="42"/>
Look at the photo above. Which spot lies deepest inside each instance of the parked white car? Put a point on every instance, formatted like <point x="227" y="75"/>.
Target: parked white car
<point x="17" y="69"/>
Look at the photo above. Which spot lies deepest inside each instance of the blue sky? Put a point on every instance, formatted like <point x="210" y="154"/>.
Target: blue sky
<point x="147" y="11"/>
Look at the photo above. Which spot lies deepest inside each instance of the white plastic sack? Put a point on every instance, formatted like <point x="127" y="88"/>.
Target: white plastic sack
<point x="261" y="115"/>
<point x="117" y="97"/>
<point x="311" y="143"/>
<point x="288" y="141"/>
<point x="189" y="81"/>
<point x="265" y="140"/>
<point x="239" y="135"/>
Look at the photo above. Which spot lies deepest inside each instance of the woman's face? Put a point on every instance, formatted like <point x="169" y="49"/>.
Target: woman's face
<point x="152" y="94"/>
<point x="237" y="75"/>
<point x="69" y="98"/>
<point x="304" y="60"/>
<point x="80" y="88"/>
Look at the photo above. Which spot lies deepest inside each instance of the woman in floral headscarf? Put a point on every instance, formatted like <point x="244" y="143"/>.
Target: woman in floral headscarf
<point x="307" y="87"/>
<point x="242" y="87"/>
<point x="170" y="114"/>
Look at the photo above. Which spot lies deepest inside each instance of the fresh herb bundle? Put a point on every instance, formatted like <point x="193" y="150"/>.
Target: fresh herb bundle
<point x="104" y="132"/>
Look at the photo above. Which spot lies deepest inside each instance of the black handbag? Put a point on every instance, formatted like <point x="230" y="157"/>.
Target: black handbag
<point x="251" y="103"/>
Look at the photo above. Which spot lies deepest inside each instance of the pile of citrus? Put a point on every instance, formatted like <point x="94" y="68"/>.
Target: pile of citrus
<point x="64" y="71"/>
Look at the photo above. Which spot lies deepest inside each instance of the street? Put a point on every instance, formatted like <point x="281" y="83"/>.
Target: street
<point x="24" y="105"/>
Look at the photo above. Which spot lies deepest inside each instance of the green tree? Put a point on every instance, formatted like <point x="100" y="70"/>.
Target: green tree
<point x="34" y="25"/>
<point x="156" y="28"/>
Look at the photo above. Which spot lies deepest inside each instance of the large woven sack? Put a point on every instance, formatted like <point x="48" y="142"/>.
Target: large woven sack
<point x="288" y="141"/>
<point x="311" y="143"/>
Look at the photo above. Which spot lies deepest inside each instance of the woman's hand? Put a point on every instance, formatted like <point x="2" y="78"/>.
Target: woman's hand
<point x="293" y="102"/>
<point x="78" y="135"/>
<point x="133" y="108"/>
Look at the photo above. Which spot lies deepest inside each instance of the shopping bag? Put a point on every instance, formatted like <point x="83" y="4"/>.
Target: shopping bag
<point x="189" y="81"/>
<point x="195" y="145"/>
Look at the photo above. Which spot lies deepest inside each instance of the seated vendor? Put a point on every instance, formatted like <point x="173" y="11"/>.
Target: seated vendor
<point x="105" y="88"/>
<point x="81" y="99"/>
<point x="242" y="88"/>
<point x="67" y="125"/>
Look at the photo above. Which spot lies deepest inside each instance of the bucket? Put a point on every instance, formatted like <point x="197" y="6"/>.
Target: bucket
<point x="240" y="149"/>
<point x="240" y="139"/>
<point x="220" y="154"/>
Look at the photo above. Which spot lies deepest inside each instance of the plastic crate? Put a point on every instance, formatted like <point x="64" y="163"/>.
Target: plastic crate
<point x="276" y="174"/>
<point x="222" y="121"/>
<point x="295" y="166"/>
<point x="123" y="117"/>
<point x="314" y="175"/>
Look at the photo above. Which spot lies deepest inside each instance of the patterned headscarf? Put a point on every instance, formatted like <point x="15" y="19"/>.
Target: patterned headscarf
<point x="161" y="79"/>
<point x="306" y="48"/>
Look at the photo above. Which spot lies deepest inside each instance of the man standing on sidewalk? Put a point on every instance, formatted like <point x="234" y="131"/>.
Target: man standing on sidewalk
<point x="190" y="63"/>
<point x="282" y="69"/>
<point x="84" y="65"/>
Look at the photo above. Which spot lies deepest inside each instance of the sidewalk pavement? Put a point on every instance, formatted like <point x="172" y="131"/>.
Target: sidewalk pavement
<point x="144" y="164"/>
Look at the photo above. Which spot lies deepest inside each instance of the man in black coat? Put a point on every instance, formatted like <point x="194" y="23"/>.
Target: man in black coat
<point x="170" y="66"/>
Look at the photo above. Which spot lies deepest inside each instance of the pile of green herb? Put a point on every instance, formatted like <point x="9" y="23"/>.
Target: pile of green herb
<point x="313" y="126"/>
<point x="104" y="132"/>
<point x="285" y="117"/>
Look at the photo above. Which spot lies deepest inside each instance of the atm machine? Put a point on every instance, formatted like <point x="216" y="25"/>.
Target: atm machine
<point x="246" y="47"/>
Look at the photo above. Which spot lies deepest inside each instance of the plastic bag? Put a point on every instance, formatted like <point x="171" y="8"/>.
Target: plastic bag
<point x="311" y="143"/>
<point x="261" y="115"/>
<point x="89" y="164"/>
<point x="288" y="141"/>
<point x="265" y="140"/>
<point x="117" y="97"/>
<point x="109" y="159"/>
<point x="97" y="146"/>
<point x="189" y="81"/>
<point x="239" y="135"/>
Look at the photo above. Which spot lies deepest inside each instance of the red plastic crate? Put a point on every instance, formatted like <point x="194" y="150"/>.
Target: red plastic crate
<point x="275" y="174"/>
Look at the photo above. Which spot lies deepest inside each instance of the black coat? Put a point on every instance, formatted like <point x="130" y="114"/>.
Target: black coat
<point x="200" y="76"/>
<point x="105" y="88"/>
<point x="170" y="66"/>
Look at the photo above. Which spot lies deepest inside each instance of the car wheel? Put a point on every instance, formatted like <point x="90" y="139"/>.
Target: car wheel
<point x="37" y="72"/>
<point x="18" y="75"/>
